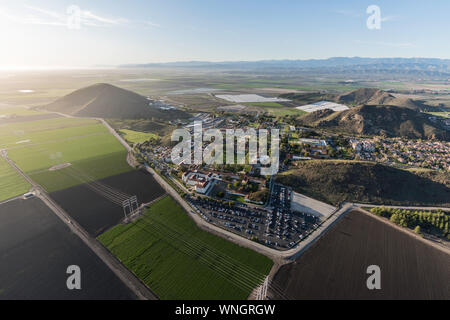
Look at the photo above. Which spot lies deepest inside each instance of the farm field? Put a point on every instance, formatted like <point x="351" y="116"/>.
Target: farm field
<point x="136" y="136"/>
<point x="177" y="260"/>
<point x="38" y="248"/>
<point x="335" y="266"/>
<point x="12" y="184"/>
<point x="98" y="211"/>
<point x="276" y="109"/>
<point x="37" y="117"/>
<point x="441" y="114"/>
<point x="85" y="145"/>
<point x="19" y="135"/>
<point x="17" y="111"/>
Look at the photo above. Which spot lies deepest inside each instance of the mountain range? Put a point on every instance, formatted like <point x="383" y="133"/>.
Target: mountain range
<point x="426" y="67"/>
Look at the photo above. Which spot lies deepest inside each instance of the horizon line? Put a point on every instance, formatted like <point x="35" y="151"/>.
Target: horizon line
<point x="115" y="66"/>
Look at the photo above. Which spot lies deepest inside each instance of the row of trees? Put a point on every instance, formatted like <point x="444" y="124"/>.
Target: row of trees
<point x="433" y="222"/>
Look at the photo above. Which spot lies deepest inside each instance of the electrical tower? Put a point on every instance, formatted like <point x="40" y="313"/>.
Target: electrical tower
<point x="130" y="206"/>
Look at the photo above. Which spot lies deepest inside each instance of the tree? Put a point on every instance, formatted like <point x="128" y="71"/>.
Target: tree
<point x="417" y="230"/>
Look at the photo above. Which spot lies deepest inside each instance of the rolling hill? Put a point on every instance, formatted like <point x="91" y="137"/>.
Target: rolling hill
<point x="389" y="121"/>
<point x="107" y="101"/>
<point x="372" y="96"/>
<point x="337" y="181"/>
<point x="363" y="96"/>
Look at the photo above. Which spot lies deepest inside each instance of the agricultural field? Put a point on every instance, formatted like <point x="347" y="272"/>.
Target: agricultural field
<point x="83" y="145"/>
<point x="136" y="136"/>
<point x="335" y="266"/>
<point x="177" y="260"/>
<point x="99" y="211"/>
<point x="38" y="248"/>
<point x="441" y="114"/>
<point x="12" y="184"/>
<point x="17" y="111"/>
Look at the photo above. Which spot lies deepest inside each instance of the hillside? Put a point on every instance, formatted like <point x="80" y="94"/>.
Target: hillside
<point x="371" y="96"/>
<point x="387" y="121"/>
<point x="107" y="101"/>
<point x="337" y="181"/>
<point x="364" y="96"/>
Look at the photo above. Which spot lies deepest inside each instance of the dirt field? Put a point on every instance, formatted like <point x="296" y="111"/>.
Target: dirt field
<point x="35" y="250"/>
<point x="97" y="213"/>
<point x="335" y="267"/>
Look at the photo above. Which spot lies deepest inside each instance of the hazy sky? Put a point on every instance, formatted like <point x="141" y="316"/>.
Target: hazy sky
<point x="37" y="33"/>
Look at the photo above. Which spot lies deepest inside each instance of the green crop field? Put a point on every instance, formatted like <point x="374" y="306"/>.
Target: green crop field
<point x="92" y="152"/>
<point x="276" y="109"/>
<point x="136" y="136"/>
<point x="27" y="133"/>
<point x="18" y="111"/>
<point x="264" y="104"/>
<point x="11" y="183"/>
<point x="441" y="114"/>
<point x="177" y="260"/>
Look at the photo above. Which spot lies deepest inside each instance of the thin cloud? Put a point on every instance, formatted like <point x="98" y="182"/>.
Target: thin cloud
<point x="90" y="17"/>
<point x="152" y="24"/>
<point x="389" y="18"/>
<point x="40" y="16"/>
<point x="30" y="19"/>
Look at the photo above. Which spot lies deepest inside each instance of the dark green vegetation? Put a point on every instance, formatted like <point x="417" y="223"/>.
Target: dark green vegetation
<point x="338" y="181"/>
<point x="435" y="223"/>
<point x="387" y="121"/>
<point x="36" y="248"/>
<point x="335" y="267"/>
<point x="177" y="260"/>
<point x="11" y="182"/>
<point x="107" y="101"/>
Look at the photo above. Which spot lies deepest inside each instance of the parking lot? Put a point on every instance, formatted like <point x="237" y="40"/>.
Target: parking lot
<point x="275" y="226"/>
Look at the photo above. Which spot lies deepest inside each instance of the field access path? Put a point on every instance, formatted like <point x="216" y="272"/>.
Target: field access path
<point x="128" y="278"/>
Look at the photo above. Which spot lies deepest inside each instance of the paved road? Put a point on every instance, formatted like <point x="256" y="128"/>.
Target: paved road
<point x="360" y="205"/>
<point x="128" y="278"/>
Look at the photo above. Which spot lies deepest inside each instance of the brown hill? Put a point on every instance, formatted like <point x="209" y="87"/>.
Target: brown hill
<point x="337" y="181"/>
<point x="107" y="101"/>
<point x="364" y="96"/>
<point x="371" y="96"/>
<point x="387" y="121"/>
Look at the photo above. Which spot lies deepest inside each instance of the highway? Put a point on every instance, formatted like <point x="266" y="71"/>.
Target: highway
<point x="128" y="278"/>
